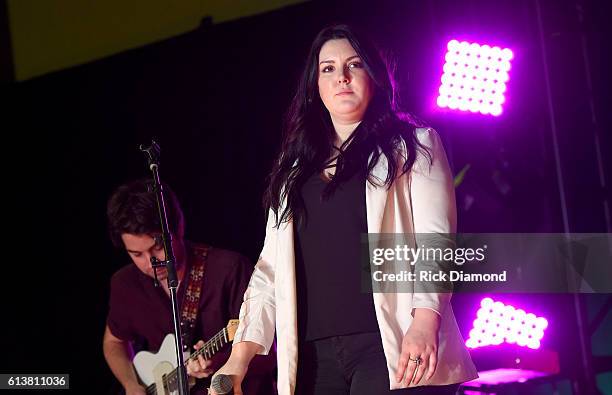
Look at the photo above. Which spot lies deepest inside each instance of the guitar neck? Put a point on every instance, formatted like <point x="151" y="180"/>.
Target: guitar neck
<point x="210" y="348"/>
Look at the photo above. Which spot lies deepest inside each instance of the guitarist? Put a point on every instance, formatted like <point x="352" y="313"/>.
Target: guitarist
<point x="212" y="282"/>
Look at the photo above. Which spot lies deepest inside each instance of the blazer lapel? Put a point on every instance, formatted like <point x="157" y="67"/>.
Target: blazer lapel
<point x="376" y="196"/>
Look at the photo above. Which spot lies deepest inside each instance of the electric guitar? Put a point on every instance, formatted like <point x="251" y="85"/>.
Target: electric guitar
<point x="158" y="372"/>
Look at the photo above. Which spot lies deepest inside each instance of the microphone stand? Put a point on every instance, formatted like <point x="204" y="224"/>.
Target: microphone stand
<point x="152" y="154"/>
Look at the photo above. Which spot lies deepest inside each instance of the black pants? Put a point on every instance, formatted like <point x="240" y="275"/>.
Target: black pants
<point x="350" y="365"/>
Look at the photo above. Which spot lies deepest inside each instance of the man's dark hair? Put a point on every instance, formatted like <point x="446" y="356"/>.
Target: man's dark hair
<point x="132" y="208"/>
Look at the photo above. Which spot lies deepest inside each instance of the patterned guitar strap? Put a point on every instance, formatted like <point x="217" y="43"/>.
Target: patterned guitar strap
<point x="191" y="300"/>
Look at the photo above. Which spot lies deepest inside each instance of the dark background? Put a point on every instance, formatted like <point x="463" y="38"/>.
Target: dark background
<point x="214" y="99"/>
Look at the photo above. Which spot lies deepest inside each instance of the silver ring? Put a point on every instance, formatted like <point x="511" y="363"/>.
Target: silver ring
<point x="417" y="360"/>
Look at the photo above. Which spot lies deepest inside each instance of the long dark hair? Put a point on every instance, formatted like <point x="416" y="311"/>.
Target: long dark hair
<point x="308" y="140"/>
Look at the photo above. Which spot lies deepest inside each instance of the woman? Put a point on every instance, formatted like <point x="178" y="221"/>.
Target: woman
<point x="348" y="166"/>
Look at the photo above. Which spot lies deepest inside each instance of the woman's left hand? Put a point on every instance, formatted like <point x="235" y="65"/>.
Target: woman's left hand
<point x="419" y="347"/>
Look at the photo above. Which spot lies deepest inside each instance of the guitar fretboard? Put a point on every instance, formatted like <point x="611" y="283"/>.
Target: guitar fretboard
<point x="209" y="349"/>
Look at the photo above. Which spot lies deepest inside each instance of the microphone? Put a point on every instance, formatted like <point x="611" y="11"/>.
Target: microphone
<point x="222" y="384"/>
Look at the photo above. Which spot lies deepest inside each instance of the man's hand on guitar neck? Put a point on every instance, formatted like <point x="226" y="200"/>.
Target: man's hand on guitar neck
<point x="200" y="367"/>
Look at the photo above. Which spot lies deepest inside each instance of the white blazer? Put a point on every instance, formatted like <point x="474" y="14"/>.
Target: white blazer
<point x="420" y="201"/>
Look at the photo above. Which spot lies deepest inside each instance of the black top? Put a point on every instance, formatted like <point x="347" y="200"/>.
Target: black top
<point x="330" y="264"/>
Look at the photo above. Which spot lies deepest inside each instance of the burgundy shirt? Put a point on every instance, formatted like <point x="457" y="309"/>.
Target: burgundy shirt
<point x="141" y="313"/>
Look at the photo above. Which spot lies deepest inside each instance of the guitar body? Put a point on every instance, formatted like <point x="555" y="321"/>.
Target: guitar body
<point x="151" y="368"/>
<point x="157" y="371"/>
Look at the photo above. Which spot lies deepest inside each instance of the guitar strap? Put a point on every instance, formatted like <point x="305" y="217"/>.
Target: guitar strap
<point x="191" y="300"/>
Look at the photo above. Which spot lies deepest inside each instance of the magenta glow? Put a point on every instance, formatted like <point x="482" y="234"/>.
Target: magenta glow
<point x="474" y="77"/>
<point x="497" y="323"/>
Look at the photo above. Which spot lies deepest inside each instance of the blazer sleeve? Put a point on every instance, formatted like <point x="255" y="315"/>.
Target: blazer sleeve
<point x="434" y="212"/>
<point x="258" y="310"/>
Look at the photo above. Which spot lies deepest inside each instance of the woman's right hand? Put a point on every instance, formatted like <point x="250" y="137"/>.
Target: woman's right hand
<point x="236" y="370"/>
<point x="238" y="363"/>
<point x="135" y="389"/>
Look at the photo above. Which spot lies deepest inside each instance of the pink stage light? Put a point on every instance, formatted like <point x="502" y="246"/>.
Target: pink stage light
<point x="474" y="78"/>
<point x="497" y="323"/>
